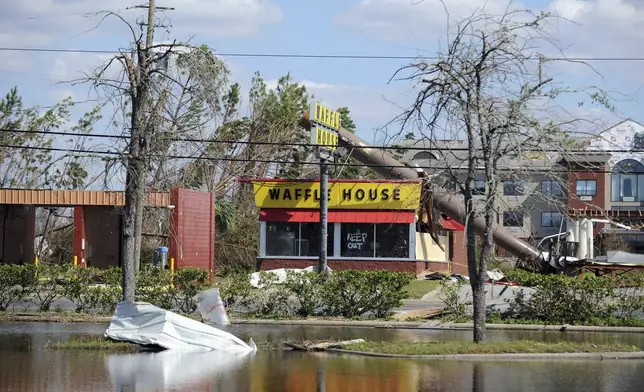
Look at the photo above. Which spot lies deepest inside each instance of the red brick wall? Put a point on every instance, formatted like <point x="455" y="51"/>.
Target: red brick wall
<point x="458" y="253"/>
<point x="192" y="229"/>
<point x="400" y="266"/>
<point x="598" y="201"/>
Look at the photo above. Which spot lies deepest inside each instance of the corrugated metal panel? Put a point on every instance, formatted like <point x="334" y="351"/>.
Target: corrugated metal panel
<point x="75" y="197"/>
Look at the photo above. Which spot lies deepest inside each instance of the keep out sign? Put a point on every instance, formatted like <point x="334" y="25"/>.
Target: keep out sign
<point x="355" y="241"/>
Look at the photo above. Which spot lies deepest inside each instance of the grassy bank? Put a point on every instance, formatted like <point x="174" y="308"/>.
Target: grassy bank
<point x="594" y="322"/>
<point x="97" y="343"/>
<point x="53" y="317"/>
<point x="457" y="347"/>
<point x="418" y="288"/>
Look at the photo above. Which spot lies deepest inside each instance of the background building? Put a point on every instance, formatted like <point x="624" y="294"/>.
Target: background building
<point x="602" y="176"/>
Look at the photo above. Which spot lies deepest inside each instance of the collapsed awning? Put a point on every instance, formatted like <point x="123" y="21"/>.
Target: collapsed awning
<point x="450" y="224"/>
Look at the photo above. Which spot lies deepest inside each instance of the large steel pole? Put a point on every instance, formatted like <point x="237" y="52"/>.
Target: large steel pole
<point x="324" y="209"/>
<point x="450" y="204"/>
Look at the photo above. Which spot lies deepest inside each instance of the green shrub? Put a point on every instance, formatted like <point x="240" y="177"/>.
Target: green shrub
<point x="16" y="283"/>
<point x="47" y="287"/>
<point x="343" y="293"/>
<point x="112" y="291"/>
<point x="272" y="298"/>
<point x="385" y="291"/>
<point x="306" y="288"/>
<point x="563" y="299"/>
<point x="450" y="295"/>
<point x="524" y="278"/>
<point x="627" y="298"/>
<point x="236" y="291"/>
<point x="188" y="282"/>
<point x="77" y="287"/>
<point x="153" y="285"/>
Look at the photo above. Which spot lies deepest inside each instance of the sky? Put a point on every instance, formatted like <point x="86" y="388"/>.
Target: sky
<point x="395" y="28"/>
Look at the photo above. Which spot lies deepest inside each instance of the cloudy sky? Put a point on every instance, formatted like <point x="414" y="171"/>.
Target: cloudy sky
<point x="596" y="28"/>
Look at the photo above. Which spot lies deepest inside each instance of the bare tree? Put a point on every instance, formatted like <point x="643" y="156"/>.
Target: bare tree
<point x="489" y="88"/>
<point x="140" y="93"/>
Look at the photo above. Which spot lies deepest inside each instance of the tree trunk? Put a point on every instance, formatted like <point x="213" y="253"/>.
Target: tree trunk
<point x="133" y="191"/>
<point x="478" y="311"/>
<point x="477" y="284"/>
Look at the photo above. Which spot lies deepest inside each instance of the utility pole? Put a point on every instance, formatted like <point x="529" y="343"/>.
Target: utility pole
<point x="324" y="209"/>
<point x="137" y="166"/>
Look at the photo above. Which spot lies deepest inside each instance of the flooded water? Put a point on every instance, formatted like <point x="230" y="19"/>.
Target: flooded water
<point x="27" y="364"/>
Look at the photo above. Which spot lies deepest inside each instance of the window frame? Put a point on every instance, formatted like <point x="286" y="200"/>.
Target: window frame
<point x="476" y="189"/>
<point x="336" y="241"/>
<point x="627" y="169"/>
<point x="550" y="187"/>
<point x="545" y="213"/>
<point x="298" y="241"/>
<point x="516" y="214"/>
<point x="577" y="182"/>
<point x="517" y="186"/>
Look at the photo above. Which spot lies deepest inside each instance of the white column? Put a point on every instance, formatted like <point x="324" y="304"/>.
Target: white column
<point x="412" y="241"/>
<point x="262" y="239"/>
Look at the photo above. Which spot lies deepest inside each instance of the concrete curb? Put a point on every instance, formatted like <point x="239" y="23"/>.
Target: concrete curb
<point x="26" y="317"/>
<point x="505" y="357"/>
<point x="446" y="326"/>
<point x="331" y="323"/>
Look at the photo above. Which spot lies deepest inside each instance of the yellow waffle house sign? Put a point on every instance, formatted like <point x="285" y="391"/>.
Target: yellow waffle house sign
<point x="342" y="195"/>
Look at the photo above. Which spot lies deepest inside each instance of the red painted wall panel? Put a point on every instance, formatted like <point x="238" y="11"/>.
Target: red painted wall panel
<point x="348" y="216"/>
<point x="192" y="235"/>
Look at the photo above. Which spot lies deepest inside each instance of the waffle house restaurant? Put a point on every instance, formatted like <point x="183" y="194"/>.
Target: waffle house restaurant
<point x="371" y="225"/>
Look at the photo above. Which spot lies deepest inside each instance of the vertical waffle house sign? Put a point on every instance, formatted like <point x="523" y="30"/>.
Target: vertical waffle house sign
<point x="342" y="195"/>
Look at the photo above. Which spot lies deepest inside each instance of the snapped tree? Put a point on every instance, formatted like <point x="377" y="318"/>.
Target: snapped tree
<point x="488" y="87"/>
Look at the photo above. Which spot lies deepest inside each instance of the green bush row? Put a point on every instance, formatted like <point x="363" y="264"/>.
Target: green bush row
<point x="574" y="300"/>
<point x="566" y="299"/>
<point x="95" y="289"/>
<point x="348" y="293"/>
<point x="343" y="293"/>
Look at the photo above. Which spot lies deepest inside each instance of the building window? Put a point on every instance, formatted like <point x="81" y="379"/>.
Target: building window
<point x="586" y="188"/>
<point x="296" y="239"/>
<point x="310" y="239"/>
<point x="513" y="219"/>
<point x="382" y="240"/>
<point x="512" y="188"/>
<point x="551" y="188"/>
<point x="358" y="240"/>
<point x="392" y="241"/>
<point x="551" y="219"/>
<point x="627" y="181"/>
<point x="478" y="187"/>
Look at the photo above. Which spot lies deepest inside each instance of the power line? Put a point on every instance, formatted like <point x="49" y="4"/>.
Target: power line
<point x="287" y="144"/>
<point x="311" y="56"/>
<point x="273" y="161"/>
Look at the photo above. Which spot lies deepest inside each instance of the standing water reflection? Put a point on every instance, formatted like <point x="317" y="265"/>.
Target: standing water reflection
<point x="27" y="364"/>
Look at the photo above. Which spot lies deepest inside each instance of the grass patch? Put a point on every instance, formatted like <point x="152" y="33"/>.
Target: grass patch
<point x="53" y="317"/>
<point x="97" y="343"/>
<point x="417" y="288"/>
<point x="595" y="322"/>
<point x="457" y="347"/>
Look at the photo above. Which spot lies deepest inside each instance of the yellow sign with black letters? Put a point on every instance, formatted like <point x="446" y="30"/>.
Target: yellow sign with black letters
<point x="325" y="116"/>
<point x="322" y="137"/>
<point x="342" y="195"/>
